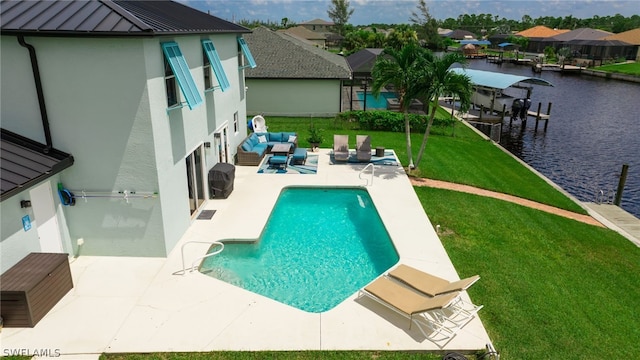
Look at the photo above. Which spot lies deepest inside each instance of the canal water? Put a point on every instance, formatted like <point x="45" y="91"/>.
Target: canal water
<point x="594" y="129"/>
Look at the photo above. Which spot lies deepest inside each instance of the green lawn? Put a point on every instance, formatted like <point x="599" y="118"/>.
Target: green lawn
<point x="626" y="68"/>
<point x="553" y="288"/>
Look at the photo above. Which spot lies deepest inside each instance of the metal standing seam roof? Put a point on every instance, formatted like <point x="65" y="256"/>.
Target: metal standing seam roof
<point x="282" y="56"/>
<point x="108" y="18"/>
<point x="24" y="163"/>
<point x="498" y="80"/>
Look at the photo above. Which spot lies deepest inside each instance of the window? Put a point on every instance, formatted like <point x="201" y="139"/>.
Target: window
<point x="235" y="122"/>
<point x="247" y="54"/>
<point x="206" y="68"/>
<point x="181" y="73"/>
<point x="214" y="61"/>
<point x="171" y="86"/>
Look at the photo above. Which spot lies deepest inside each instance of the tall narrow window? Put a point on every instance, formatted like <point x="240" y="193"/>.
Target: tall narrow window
<point x="247" y="53"/>
<point x="170" y="85"/>
<point x="182" y="74"/>
<point x="206" y="67"/>
<point x="235" y="122"/>
<point x="214" y="60"/>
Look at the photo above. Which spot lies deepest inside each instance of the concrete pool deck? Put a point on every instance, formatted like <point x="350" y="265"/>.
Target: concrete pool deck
<point x="121" y="304"/>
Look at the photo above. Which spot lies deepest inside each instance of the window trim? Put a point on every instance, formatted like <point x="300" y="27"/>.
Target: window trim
<point x="247" y="53"/>
<point x="216" y="65"/>
<point x="182" y="73"/>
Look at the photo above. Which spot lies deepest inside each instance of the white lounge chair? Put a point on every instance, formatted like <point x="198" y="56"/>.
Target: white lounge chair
<point x="363" y="148"/>
<point x="259" y="124"/>
<point x="341" y="147"/>
<point x="427" y="313"/>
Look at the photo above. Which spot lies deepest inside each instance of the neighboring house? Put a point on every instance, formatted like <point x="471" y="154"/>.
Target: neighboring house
<point x="294" y="78"/>
<point x="589" y="48"/>
<point x="317" y="38"/>
<point x="318" y="25"/>
<point x="630" y="37"/>
<point x="539" y="37"/>
<point x="361" y="63"/>
<point x="461" y="35"/>
<point x="118" y="102"/>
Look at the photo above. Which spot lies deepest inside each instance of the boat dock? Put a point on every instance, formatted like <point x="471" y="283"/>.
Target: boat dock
<point x="556" y="67"/>
<point x="616" y="219"/>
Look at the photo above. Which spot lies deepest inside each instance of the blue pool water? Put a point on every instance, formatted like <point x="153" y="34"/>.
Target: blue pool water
<point x="319" y="246"/>
<point x="373" y="102"/>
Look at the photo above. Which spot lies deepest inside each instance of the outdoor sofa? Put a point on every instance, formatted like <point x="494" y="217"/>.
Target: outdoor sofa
<point x="257" y="145"/>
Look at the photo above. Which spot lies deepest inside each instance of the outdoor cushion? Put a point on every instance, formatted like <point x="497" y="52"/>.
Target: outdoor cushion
<point x="275" y="136"/>
<point x="253" y="139"/>
<point x="286" y="135"/>
<point x="259" y="148"/>
<point x="246" y="146"/>
<point x="292" y="138"/>
<point x="262" y="139"/>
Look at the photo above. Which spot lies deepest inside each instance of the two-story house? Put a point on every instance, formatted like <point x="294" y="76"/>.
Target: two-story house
<point x="113" y="112"/>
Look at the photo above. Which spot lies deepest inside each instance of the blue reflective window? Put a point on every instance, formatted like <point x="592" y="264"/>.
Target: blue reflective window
<point x="247" y="52"/>
<point x="181" y="71"/>
<point x="216" y="64"/>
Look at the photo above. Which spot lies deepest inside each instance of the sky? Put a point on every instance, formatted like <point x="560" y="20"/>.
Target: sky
<point x="397" y="12"/>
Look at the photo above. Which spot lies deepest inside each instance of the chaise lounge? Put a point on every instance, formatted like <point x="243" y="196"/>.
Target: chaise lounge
<point x="341" y="147"/>
<point x="427" y="313"/>
<point x="363" y="148"/>
<point x="429" y="284"/>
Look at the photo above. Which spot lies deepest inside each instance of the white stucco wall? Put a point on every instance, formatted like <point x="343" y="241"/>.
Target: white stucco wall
<point x="297" y="97"/>
<point x="15" y="241"/>
<point x="107" y="107"/>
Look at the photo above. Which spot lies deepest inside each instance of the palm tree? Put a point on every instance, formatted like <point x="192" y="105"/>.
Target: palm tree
<point x="439" y="81"/>
<point x="401" y="68"/>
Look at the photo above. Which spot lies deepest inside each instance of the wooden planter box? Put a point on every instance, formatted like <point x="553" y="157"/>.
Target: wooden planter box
<point x="33" y="286"/>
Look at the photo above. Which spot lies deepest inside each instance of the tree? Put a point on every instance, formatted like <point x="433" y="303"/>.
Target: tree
<point x="439" y="81"/>
<point x="401" y="36"/>
<point x="427" y="25"/>
<point x="403" y="69"/>
<point x="340" y="12"/>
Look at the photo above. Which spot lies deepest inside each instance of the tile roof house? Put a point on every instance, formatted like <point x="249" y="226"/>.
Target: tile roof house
<point x="294" y="77"/>
<point x="631" y="37"/>
<point x="107" y="109"/>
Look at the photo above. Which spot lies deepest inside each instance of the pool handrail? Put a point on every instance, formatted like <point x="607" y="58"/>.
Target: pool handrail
<point x="368" y="183"/>
<point x="193" y="264"/>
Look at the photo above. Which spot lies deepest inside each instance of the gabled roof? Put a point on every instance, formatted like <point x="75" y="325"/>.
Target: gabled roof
<point x="581" y="34"/>
<point x="498" y="80"/>
<point x="630" y="37"/>
<point x="281" y="56"/>
<point x="108" y="18"/>
<point x="304" y="33"/>
<point x="317" y="22"/>
<point x="541" y="31"/>
<point x="25" y="163"/>
<point x="460" y="34"/>
<point x="362" y="62"/>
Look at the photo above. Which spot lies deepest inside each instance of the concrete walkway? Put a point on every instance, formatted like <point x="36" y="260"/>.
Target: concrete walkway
<point x="496" y="195"/>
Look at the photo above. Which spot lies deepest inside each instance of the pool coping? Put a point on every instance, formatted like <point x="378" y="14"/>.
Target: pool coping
<point x="123" y="304"/>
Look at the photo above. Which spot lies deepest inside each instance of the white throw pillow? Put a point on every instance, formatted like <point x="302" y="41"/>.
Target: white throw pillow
<point x="292" y="138"/>
<point x="262" y="139"/>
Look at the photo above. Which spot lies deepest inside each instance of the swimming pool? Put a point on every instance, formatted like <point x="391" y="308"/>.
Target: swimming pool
<point x="373" y="102"/>
<point x="319" y="246"/>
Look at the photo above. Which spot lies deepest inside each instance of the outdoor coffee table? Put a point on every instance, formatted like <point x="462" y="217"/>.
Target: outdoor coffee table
<point x="281" y="149"/>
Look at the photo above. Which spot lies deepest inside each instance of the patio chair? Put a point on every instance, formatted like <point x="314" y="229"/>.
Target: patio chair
<point x="429" y="284"/>
<point x="259" y="124"/>
<point x="341" y="147"/>
<point x="363" y="147"/>
<point x="427" y="313"/>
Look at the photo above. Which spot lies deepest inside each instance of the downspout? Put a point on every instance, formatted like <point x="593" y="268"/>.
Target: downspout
<point x="38" y="83"/>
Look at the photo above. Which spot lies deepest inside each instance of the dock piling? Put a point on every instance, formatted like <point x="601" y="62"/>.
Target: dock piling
<point x="621" y="182"/>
